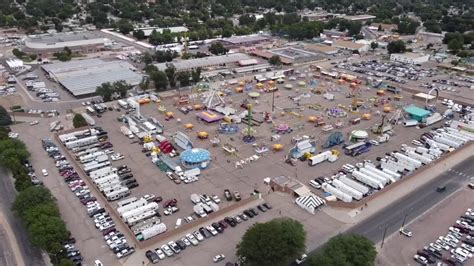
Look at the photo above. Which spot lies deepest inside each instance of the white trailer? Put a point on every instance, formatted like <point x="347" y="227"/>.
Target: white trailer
<point x="434" y="118"/>
<point x="96" y="166"/>
<point x="140" y="209"/>
<point x="367" y="180"/>
<point x="392" y="165"/>
<point x="142" y="216"/>
<point x="347" y="189"/>
<point x="354" y="184"/>
<point x="438" y="145"/>
<point x="446" y="141"/>
<point x="199" y="211"/>
<point x="336" y="192"/>
<point x="406" y="159"/>
<point x="86" y="152"/>
<point x="90" y="121"/>
<point x="375" y="176"/>
<point x="126" y="201"/>
<point x="98" y="159"/>
<point x="119" y="194"/>
<point x="134" y="205"/>
<point x="192" y="172"/>
<point x="213" y="206"/>
<point x="319" y="158"/>
<point x="90" y="156"/>
<point x="152" y="231"/>
<point x="81" y="142"/>
<point x="102" y="172"/>
<point x="108" y="189"/>
<point x="462" y="133"/>
<point x="453" y="137"/>
<point x="396" y="176"/>
<point x="111" y="184"/>
<point x="380" y="173"/>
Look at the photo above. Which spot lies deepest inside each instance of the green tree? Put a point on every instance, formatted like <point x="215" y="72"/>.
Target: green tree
<point x="12" y="153"/>
<point x="396" y="47"/>
<point x="184" y="78"/>
<point x="124" y="26"/>
<point x="273" y="243"/>
<point x="217" y="48"/>
<point x="139" y="34"/>
<point x="120" y="88"/>
<point x="345" y="250"/>
<point x="160" y="80"/>
<point x="455" y="45"/>
<point x="147" y="58"/>
<point x="275" y="60"/>
<point x="171" y="74"/>
<point x="374" y="45"/>
<point x="46" y="232"/>
<point x="66" y="262"/>
<point x="30" y="199"/>
<point x="196" y="75"/>
<point x="79" y="121"/>
<point x="105" y="91"/>
<point x="145" y="84"/>
<point x="5" y="118"/>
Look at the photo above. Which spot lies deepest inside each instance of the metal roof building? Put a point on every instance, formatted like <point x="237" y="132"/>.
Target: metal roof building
<point x="204" y="62"/>
<point x="82" y="77"/>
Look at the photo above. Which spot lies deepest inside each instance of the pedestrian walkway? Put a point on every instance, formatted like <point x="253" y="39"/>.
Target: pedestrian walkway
<point x="353" y="216"/>
<point x="12" y="242"/>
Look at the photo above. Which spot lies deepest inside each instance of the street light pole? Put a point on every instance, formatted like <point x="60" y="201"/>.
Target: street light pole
<point x="383" y="238"/>
<point x="404" y="219"/>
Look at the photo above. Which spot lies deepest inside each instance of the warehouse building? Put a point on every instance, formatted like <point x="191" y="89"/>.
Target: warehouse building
<point x="244" y="41"/>
<point x="45" y="45"/>
<point x="351" y="46"/>
<point x="206" y="62"/>
<point x="82" y="77"/>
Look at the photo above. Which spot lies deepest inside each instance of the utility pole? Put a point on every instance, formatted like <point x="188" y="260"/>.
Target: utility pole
<point x="273" y="101"/>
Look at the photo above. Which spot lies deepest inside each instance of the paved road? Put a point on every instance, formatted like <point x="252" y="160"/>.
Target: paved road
<point x="414" y="204"/>
<point x="31" y="256"/>
<point x="6" y="253"/>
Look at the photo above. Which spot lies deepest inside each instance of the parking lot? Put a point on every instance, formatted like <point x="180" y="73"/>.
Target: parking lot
<point x="400" y="250"/>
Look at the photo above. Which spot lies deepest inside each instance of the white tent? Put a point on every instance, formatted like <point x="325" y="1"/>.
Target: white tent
<point x="309" y="202"/>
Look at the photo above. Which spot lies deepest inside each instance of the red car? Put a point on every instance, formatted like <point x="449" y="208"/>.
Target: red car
<point x="170" y="203"/>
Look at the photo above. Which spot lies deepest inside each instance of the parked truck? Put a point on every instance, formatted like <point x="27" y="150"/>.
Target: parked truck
<point x="354" y="184"/>
<point x="367" y="180"/>
<point x="127" y="132"/>
<point x="379" y="172"/>
<point x="375" y="176"/>
<point x="90" y="121"/>
<point x="318" y="158"/>
<point x="336" y="192"/>
<point x="347" y="189"/>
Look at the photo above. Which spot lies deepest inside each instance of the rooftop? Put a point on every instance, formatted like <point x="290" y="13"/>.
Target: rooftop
<point x="348" y="44"/>
<point x="417" y="111"/>
<point x="82" y="77"/>
<point x="245" y="39"/>
<point x="359" y="17"/>
<point x="149" y="30"/>
<point x="321" y="48"/>
<point x="205" y="61"/>
<point x="61" y="40"/>
<point x="410" y="55"/>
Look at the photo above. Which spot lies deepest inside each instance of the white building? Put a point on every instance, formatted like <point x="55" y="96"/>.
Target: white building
<point x="410" y="58"/>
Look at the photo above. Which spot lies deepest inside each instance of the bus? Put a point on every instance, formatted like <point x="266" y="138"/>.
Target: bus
<point x="350" y="148"/>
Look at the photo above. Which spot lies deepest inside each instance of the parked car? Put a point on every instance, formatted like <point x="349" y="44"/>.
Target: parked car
<point x="218" y="258"/>
<point x="166" y="249"/>
<point x="152" y="256"/>
<point x="237" y="196"/>
<point x="227" y="195"/>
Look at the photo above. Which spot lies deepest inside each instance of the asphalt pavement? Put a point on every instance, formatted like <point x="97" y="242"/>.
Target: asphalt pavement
<point x="413" y="204"/>
<point x="32" y="256"/>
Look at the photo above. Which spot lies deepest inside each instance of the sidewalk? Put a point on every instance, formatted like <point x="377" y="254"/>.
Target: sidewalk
<point x="12" y="241"/>
<point x="353" y="216"/>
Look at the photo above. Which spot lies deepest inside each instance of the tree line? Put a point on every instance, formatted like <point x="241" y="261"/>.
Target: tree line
<point x="34" y="205"/>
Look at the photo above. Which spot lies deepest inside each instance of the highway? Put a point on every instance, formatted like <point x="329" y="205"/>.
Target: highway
<point x="32" y="256"/>
<point x="413" y="204"/>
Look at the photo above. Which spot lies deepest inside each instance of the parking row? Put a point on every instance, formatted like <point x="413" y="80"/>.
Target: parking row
<point x="205" y="232"/>
<point x="454" y="248"/>
<point x="102" y="220"/>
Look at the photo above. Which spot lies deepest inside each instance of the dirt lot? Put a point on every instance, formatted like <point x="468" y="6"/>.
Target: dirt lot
<point x="399" y="250"/>
<point x="222" y="173"/>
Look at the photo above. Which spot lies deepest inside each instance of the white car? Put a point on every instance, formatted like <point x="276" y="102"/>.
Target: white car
<point x="192" y="239"/>
<point x="98" y="263"/>
<point x="218" y="258"/>
<point x="212" y="230"/>
<point x="160" y="254"/>
<point x="422" y="260"/>
<point x="406" y="233"/>
<point x="416" y="143"/>
<point x="374" y="142"/>
<point x="467" y="247"/>
<point x="301" y="259"/>
<point x="198" y="236"/>
<point x="167" y="250"/>
<point x="35" y="122"/>
<point x="116" y="157"/>
<point x="149" y="197"/>
<point x="186" y="241"/>
<point x="216" y="199"/>
<point x="45" y="173"/>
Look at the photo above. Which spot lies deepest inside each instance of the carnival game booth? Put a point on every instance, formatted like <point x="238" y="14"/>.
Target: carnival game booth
<point x="208" y="116"/>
